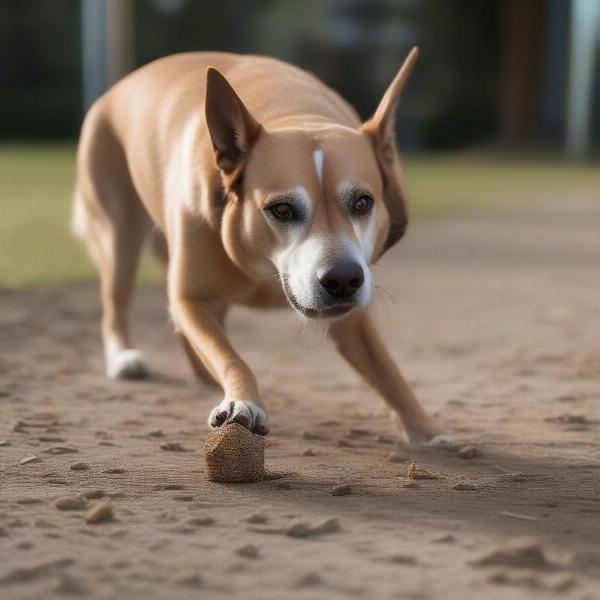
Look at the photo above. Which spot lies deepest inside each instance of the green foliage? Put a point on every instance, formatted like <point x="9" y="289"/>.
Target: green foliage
<point x="36" y="183"/>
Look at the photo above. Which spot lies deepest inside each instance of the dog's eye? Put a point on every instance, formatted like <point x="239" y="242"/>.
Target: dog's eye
<point x="361" y="205"/>
<point x="282" y="211"/>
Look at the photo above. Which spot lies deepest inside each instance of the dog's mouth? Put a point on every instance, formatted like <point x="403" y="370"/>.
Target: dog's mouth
<point x="328" y="311"/>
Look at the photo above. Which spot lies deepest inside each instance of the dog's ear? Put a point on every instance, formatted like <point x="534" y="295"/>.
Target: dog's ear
<point x="233" y="130"/>
<point x="380" y="128"/>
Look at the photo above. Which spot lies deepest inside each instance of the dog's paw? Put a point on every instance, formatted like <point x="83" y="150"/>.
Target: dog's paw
<point x="247" y="414"/>
<point x="127" y="364"/>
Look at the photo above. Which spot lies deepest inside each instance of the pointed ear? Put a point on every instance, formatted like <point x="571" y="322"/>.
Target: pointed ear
<point x="383" y="121"/>
<point x="233" y="130"/>
<point x="380" y="130"/>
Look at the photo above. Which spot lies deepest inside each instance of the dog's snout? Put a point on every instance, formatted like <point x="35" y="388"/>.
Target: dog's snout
<point x="343" y="279"/>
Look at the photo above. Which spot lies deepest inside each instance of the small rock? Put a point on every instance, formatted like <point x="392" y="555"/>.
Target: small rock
<point x="4" y="443"/>
<point x="309" y="452"/>
<point x="468" y="451"/>
<point x="344" y="444"/>
<point x="155" y="433"/>
<point x="51" y="439"/>
<point x="309" y="580"/>
<point x="80" y="466"/>
<point x="70" y="503"/>
<point x="248" y="551"/>
<point x="328" y="525"/>
<point x="447" y="538"/>
<point x="200" y="521"/>
<point x="94" y="494"/>
<point x="342" y="489"/>
<point x="29" y="459"/>
<point x="299" y="529"/>
<point x="99" y="513"/>
<point x="114" y="470"/>
<point x="61" y="450"/>
<point x="172" y="447"/>
<point x="257" y="518"/>
<point x="57" y="481"/>
<point x="520" y="553"/>
<point x="386" y="439"/>
<point x="414" y="471"/>
<point x="466" y="486"/>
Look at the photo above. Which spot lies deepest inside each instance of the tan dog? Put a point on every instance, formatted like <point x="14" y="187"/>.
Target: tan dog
<point x="278" y="193"/>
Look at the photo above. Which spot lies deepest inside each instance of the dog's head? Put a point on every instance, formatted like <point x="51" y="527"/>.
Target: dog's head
<point x="316" y="205"/>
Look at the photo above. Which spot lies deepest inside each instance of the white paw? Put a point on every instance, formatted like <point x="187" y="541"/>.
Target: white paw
<point x="247" y="414"/>
<point x="441" y="440"/>
<point x="127" y="364"/>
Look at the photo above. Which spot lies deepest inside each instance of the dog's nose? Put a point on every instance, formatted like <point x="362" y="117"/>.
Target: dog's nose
<point x="342" y="280"/>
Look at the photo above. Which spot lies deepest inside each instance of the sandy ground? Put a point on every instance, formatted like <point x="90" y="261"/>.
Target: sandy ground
<point x="495" y="320"/>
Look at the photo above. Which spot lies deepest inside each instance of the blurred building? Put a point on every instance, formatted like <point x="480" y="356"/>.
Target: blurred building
<point x="510" y="72"/>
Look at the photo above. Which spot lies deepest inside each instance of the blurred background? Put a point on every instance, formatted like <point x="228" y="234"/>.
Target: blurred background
<point x="505" y="97"/>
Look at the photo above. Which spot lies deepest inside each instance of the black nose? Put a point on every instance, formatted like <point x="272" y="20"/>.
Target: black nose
<point x="342" y="280"/>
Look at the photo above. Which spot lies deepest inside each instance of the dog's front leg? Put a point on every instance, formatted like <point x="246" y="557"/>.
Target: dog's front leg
<point x="359" y="343"/>
<point x="242" y="403"/>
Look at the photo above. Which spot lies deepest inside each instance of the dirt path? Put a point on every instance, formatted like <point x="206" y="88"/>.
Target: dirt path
<point x="495" y="319"/>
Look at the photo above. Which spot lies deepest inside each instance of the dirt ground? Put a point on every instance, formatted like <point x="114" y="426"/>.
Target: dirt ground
<point x="495" y="320"/>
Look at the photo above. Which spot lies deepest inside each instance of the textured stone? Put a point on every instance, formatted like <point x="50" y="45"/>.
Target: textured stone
<point x="234" y="454"/>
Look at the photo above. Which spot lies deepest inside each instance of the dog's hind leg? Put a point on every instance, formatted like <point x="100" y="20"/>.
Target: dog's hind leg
<point x="359" y="343"/>
<point x="113" y="223"/>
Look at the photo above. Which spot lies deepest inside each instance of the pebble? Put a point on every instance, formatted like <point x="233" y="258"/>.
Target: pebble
<point x="386" y="439"/>
<point x="61" y="450"/>
<point x="468" y="451"/>
<point x="302" y="529"/>
<point x="80" y="466"/>
<point x="414" y="471"/>
<point x="466" y="486"/>
<point x="4" y="443"/>
<point x="248" y="551"/>
<point x="155" y="433"/>
<point x="51" y="439"/>
<point x="29" y="459"/>
<point x="342" y="489"/>
<point x="99" y="513"/>
<point x="114" y="470"/>
<point x="520" y="553"/>
<point x="57" y="481"/>
<point x="70" y="503"/>
<point x="172" y="447"/>
<point x="257" y="518"/>
<point x="344" y="444"/>
<point x="94" y="494"/>
<point x="200" y="521"/>
<point x="309" y="452"/>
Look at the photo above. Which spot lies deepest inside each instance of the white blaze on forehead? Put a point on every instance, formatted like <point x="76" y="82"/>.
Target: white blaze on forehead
<point x="318" y="160"/>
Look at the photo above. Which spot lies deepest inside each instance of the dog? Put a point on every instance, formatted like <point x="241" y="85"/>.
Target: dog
<point x="265" y="189"/>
